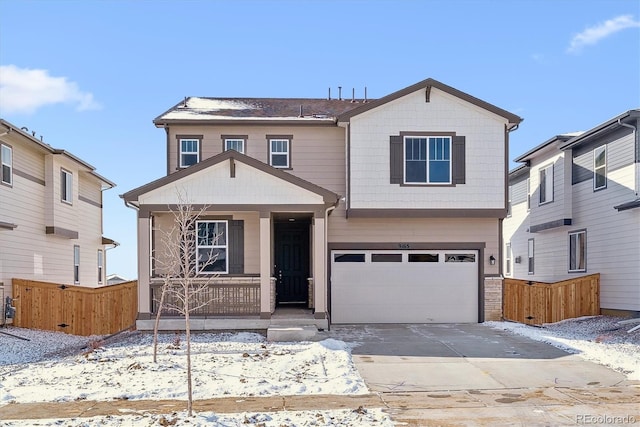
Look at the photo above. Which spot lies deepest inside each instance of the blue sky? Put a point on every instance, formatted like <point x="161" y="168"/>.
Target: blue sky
<point x="90" y="76"/>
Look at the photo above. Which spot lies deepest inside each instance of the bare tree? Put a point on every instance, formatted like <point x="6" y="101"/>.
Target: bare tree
<point x="181" y="264"/>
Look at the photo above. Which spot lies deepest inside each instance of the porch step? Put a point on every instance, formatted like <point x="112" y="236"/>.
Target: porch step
<point x="291" y="333"/>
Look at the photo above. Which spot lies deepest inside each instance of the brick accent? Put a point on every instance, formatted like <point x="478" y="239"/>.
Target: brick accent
<point x="311" y="300"/>
<point x="493" y="298"/>
<point x="273" y="295"/>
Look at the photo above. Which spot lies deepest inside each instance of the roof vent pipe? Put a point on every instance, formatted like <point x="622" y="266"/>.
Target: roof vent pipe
<point x="300" y="115"/>
<point x="353" y="94"/>
<point x="365" y="94"/>
<point x="329" y="98"/>
<point x="339" y="93"/>
<point x="185" y="102"/>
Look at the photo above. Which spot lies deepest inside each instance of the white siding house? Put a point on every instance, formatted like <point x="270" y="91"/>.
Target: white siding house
<point x="583" y="214"/>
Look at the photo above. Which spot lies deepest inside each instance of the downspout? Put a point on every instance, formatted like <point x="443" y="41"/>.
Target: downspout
<point x="636" y="161"/>
<point x="326" y="260"/>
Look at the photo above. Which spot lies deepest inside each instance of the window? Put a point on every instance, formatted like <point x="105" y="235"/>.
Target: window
<point x="427" y="160"/>
<point x="578" y="251"/>
<point x="348" y="258"/>
<point x="423" y="257"/>
<point x="234" y="144"/>
<point x="6" y="159"/>
<point x="460" y="258"/>
<point x="279" y="153"/>
<point x="189" y="152"/>
<point x="66" y="186"/>
<point x="528" y="194"/>
<point x="386" y="257"/>
<point x="100" y="264"/>
<point x="600" y="168"/>
<point x="510" y="192"/>
<point x="546" y="185"/>
<point x="530" y="256"/>
<point x="211" y="247"/>
<point x="507" y="264"/>
<point x="76" y="264"/>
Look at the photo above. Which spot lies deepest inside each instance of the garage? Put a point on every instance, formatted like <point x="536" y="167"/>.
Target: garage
<point x="404" y="286"/>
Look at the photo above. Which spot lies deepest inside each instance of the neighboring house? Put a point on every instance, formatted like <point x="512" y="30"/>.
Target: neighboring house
<point x="574" y="211"/>
<point x="50" y="214"/>
<point x="363" y="211"/>
<point x="114" y="279"/>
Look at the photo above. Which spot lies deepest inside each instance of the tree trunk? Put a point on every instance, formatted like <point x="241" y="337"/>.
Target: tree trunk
<point x="157" y="323"/>
<point x="188" y="338"/>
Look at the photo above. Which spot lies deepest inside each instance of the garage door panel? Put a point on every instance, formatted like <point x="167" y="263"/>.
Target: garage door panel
<point x="405" y="292"/>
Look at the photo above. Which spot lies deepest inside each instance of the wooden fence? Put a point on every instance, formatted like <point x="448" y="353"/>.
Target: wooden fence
<point x="74" y="309"/>
<point x="535" y="303"/>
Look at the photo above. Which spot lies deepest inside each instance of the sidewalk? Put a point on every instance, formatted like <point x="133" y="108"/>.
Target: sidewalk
<point x="531" y="407"/>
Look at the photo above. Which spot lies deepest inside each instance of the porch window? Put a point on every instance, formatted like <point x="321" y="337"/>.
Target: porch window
<point x="578" y="251"/>
<point x="211" y="247"/>
<point x="600" y="168"/>
<point x="6" y="159"/>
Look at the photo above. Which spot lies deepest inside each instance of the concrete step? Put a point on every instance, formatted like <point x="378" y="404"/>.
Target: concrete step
<point x="291" y="333"/>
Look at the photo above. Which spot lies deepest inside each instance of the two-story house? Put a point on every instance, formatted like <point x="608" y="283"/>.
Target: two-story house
<point x="360" y="211"/>
<point x="50" y="214"/>
<point x="574" y="211"/>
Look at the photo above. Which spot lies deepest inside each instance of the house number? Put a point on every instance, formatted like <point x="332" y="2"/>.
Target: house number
<point x="404" y="246"/>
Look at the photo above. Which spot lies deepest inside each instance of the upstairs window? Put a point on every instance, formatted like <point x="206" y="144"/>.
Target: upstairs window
<point x="279" y="155"/>
<point x="189" y="152"/>
<point x="427" y="160"/>
<point x="234" y="144"/>
<point x="66" y="186"/>
<point x="211" y="247"/>
<point x="578" y="251"/>
<point x="6" y="160"/>
<point x="600" y="168"/>
<point x="546" y="185"/>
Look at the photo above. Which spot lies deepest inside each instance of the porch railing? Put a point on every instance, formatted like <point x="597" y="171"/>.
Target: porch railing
<point x="222" y="297"/>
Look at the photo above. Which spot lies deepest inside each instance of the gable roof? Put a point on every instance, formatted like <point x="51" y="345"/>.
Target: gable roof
<point x="49" y="149"/>
<point x="427" y="85"/>
<point x="610" y="125"/>
<point x="328" y="196"/>
<point x="558" y="138"/>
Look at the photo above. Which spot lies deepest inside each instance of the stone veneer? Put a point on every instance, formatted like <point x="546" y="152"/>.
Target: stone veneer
<point x="493" y="298"/>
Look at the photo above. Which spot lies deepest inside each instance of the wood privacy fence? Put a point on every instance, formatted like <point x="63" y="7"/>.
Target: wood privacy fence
<point x="535" y="303"/>
<point x="75" y="310"/>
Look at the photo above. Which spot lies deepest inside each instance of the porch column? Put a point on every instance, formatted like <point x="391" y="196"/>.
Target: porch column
<point x="319" y="268"/>
<point x="144" y="256"/>
<point x="265" y="265"/>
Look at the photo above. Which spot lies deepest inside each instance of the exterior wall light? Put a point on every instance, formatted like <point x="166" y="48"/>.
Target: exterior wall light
<point x="492" y="260"/>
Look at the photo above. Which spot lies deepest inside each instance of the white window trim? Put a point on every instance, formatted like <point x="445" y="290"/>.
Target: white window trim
<point x="197" y="152"/>
<point x="8" y="164"/>
<point x="584" y="238"/>
<point x="549" y="187"/>
<point x="508" y="271"/>
<point x="509" y="202"/>
<point x="531" y="266"/>
<point x="76" y="264"/>
<point x="100" y="265"/>
<point x="214" y="246"/>
<point x="228" y="140"/>
<point x="528" y="194"/>
<point x="287" y="153"/>
<point x="595" y="171"/>
<point x="66" y="186"/>
<point x="427" y="160"/>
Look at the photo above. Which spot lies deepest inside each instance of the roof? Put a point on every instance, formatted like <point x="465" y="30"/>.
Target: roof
<point x="558" y="138"/>
<point x="609" y="125"/>
<point x="518" y="171"/>
<point x="301" y="110"/>
<point x="628" y="205"/>
<point x="46" y="147"/>
<point x="132" y="196"/>
<point x="257" y="109"/>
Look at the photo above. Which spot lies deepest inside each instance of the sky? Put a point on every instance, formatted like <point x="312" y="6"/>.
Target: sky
<point x="90" y="76"/>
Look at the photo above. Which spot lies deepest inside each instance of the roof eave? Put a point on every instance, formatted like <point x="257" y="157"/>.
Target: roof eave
<point x="633" y="114"/>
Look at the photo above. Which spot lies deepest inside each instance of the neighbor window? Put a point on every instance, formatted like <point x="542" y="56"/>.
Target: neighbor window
<point x="600" y="168"/>
<point x="100" y="264"/>
<point x="507" y="256"/>
<point x="528" y="194"/>
<point x="211" y="247"/>
<point x="66" y="186"/>
<point x="427" y="160"/>
<point x="578" y="251"/>
<point x="234" y="144"/>
<point x="6" y="159"/>
<point x="279" y="153"/>
<point x="509" y="193"/>
<point x="530" y="256"/>
<point x="546" y="185"/>
<point x="189" y="152"/>
<point x="76" y="264"/>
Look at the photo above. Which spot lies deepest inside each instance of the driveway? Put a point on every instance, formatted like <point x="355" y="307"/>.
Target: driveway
<point x="438" y="357"/>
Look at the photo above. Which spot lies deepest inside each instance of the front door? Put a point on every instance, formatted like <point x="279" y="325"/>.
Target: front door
<point x="291" y="262"/>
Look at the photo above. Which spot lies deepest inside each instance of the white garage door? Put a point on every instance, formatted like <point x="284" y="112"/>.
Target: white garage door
<point x="410" y="286"/>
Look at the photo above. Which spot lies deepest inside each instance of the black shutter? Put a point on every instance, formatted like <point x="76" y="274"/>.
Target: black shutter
<point x="396" y="159"/>
<point x="236" y="247"/>
<point x="458" y="169"/>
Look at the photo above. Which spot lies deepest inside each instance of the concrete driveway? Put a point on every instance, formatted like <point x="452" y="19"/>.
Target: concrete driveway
<point x="413" y="358"/>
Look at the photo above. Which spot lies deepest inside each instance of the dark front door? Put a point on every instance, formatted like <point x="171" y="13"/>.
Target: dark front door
<point x="292" y="262"/>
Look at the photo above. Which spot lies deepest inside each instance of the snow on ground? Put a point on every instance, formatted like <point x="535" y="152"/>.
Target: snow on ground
<point x="599" y="339"/>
